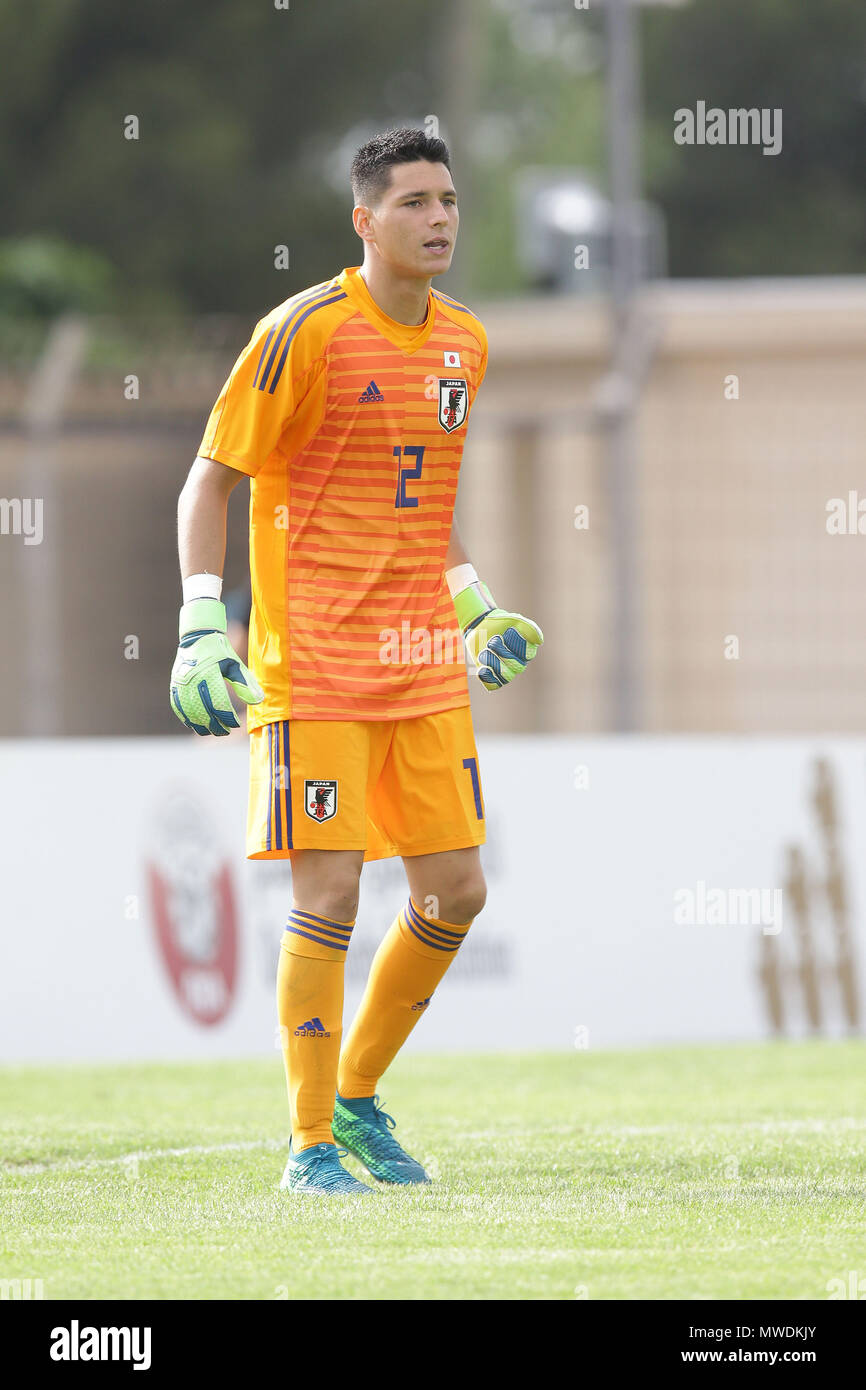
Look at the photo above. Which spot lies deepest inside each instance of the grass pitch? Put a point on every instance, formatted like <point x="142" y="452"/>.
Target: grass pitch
<point x="732" y="1172"/>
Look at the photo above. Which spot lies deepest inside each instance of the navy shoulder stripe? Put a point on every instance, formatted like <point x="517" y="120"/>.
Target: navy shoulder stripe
<point x="281" y="334"/>
<point x="306" y="297"/>
<point x="455" y="304"/>
<point x="341" y="294"/>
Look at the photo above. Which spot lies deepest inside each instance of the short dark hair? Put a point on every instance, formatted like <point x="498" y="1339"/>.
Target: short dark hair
<point x="371" y="167"/>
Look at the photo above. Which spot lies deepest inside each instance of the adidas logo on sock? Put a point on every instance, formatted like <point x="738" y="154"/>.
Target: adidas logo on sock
<point x="422" y="1003"/>
<point x="313" y="1028"/>
<point x="371" y="394"/>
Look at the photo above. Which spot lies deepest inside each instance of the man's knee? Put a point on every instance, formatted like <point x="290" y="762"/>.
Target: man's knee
<point x="326" y="882"/>
<point x="463" y="899"/>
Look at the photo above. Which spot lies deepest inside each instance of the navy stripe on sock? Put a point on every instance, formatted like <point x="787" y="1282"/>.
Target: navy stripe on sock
<point x="427" y="942"/>
<point x="337" y="945"/>
<point x="312" y="917"/>
<point x="433" y="926"/>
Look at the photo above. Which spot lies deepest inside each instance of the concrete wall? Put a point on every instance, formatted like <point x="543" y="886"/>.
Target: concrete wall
<point x="730" y="496"/>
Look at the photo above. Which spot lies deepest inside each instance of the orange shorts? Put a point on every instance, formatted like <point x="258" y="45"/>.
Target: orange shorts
<point x="393" y="786"/>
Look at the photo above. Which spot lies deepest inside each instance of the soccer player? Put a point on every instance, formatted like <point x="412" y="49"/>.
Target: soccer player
<point x="348" y="410"/>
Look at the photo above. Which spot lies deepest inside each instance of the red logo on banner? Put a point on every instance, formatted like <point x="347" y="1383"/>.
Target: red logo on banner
<point x="194" y="912"/>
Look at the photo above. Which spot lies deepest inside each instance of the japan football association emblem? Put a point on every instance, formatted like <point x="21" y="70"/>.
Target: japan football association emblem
<point x="320" y="799"/>
<point x="453" y="403"/>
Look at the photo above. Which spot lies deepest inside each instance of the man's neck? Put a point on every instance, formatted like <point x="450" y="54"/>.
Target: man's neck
<point x="403" y="299"/>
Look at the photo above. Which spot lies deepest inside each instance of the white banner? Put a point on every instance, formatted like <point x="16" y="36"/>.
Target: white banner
<point x="640" y="890"/>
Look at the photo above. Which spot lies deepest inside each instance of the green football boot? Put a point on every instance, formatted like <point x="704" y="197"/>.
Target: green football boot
<point x="363" y="1128"/>
<point x="318" y="1172"/>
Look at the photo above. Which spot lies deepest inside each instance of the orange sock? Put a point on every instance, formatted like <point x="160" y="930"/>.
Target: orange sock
<point x="310" y="1009"/>
<point x="407" y="967"/>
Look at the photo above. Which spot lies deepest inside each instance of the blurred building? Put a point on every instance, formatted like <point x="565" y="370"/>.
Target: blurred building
<point x="749" y="423"/>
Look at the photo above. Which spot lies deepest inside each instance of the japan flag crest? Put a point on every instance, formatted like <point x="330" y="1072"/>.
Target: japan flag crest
<point x="453" y="403"/>
<point x="320" y="798"/>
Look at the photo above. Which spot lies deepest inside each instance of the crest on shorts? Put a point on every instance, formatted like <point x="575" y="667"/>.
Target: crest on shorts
<point x="453" y="402"/>
<point x="320" y="799"/>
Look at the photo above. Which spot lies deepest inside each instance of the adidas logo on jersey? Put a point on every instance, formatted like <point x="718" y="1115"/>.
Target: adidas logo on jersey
<point x="371" y="394"/>
<point x="313" y="1028"/>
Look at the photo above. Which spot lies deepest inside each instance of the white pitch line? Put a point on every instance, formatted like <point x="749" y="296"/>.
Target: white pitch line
<point x="845" y="1122"/>
<point x="143" y="1155"/>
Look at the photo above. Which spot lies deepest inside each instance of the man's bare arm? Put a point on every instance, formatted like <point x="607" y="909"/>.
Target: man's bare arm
<point x="456" y="554"/>
<point x="206" y="665"/>
<point x="201" y="517"/>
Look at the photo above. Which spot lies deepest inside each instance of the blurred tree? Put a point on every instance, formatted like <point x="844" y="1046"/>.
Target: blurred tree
<point x="731" y="210"/>
<point x="43" y="276"/>
<point x="240" y="109"/>
<point x="248" y="116"/>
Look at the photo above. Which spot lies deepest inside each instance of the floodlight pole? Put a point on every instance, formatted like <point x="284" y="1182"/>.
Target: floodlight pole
<point x="617" y="421"/>
<point x="460" y="62"/>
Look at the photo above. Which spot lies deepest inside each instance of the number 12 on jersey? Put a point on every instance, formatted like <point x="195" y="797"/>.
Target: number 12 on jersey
<point x="405" y="473"/>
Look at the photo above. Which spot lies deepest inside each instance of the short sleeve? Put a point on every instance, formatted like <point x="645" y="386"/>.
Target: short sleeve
<point x="482" y="368"/>
<point x="267" y="385"/>
<point x="481" y="335"/>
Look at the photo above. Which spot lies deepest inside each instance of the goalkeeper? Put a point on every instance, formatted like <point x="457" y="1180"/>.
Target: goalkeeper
<point x="348" y="410"/>
<point x="501" y="644"/>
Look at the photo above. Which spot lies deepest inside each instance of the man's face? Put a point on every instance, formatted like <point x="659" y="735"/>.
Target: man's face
<point x="414" y="224"/>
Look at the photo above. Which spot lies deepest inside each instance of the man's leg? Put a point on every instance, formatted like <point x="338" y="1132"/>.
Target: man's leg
<point x="310" y="985"/>
<point x="447" y="891"/>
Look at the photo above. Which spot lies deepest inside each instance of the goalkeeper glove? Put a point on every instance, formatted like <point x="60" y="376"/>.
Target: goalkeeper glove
<point x="204" y="663"/>
<point x="501" y="643"/>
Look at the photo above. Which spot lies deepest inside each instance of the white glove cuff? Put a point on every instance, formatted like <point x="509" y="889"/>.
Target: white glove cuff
<point x="202" y="586"/>
<point x="459" y="578"/>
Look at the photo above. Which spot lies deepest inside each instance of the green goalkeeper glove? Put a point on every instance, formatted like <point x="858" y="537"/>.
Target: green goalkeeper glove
<point x="204" y="664"/>
<point x="501" y="643"/>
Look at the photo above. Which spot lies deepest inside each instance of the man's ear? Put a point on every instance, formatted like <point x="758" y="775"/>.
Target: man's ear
<point x="362" y="222"/>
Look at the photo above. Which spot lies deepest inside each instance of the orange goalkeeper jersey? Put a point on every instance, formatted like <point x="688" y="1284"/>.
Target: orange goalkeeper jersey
<point x="351" y="427"/>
